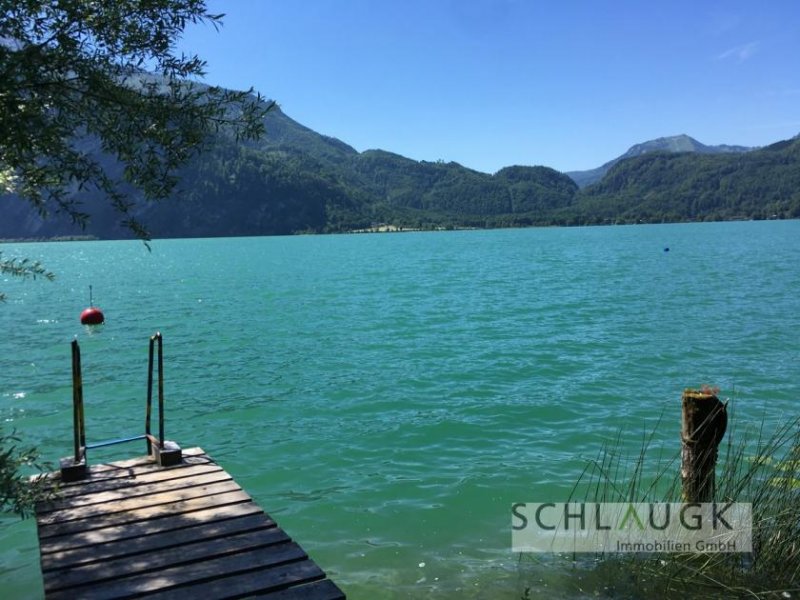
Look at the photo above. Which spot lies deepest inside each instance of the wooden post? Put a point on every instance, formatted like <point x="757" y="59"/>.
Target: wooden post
<point x="703" y="425"/>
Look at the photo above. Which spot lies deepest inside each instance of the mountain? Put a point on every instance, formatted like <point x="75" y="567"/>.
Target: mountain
<point x="449" y="188"/>
<point x="674" y="144"/>
<point x="296" y="180"/>
<point x="661" y="186"/>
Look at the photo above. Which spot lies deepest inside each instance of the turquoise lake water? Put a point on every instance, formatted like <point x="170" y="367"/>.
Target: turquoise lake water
<point x="387" y="397"/>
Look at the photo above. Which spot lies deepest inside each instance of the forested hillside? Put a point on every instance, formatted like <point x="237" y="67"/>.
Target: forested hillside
<point x="297" y="181"/>
<point x="673" y="144"/>
<point x="659" y="187"/>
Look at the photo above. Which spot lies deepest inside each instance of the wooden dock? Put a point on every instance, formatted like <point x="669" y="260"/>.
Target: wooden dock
<point x="135" y="529"/>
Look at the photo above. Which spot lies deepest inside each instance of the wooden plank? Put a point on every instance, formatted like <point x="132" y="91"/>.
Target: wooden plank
<point x="156" y="560"/>
<point x="126" y="469"/>
<point x="142" y="461"/>
<point x="247" y="584"/>
<point x="254" y="561"/>
<point x="168" y="538"/>
<point x="109" y="509"/>
<point x="185" y="508"/>
<point x="90" y="538"/>
<point x="141" y="464"/>
<point x="120" y="483"/>
<point x="324" y="589"/>
<point x="137" y="490"/>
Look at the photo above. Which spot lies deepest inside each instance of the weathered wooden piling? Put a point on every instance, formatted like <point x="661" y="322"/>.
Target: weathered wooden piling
<point x="703" y="425"/>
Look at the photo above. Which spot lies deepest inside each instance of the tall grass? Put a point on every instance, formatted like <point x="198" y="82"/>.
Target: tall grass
<point x="754" y="466"/>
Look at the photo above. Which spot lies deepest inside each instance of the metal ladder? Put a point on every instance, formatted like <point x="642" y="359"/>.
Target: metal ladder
<point x="164" y="452"/>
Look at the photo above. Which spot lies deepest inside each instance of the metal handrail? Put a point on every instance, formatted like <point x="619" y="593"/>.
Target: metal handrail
<point x="79" y="431"/>
<point x="153" y="339"/>
<point x="78" y="423"/>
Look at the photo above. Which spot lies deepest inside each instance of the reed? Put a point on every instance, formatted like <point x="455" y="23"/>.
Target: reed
<point x="755" y="466"/>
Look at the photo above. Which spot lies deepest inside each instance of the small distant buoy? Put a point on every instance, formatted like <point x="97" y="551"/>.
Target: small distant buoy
<point x="92" y="315"/>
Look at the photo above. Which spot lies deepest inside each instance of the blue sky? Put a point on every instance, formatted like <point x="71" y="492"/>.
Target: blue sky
<point x="492" y="83"/>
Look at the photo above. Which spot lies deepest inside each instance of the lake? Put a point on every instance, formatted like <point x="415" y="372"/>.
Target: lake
<point x="386" y="397"/>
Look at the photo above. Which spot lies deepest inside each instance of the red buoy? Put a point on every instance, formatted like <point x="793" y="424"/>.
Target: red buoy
<point x="92" y="315"/>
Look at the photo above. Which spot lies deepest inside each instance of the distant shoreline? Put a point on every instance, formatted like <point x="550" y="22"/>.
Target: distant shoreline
<point x="384" y="228"/>
<point x="391" y="228"/>
<point x="56" y="238"/>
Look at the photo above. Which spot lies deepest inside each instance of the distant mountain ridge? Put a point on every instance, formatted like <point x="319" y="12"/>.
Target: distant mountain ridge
<point x="296" y="180"/>
<point x="672" y="144"/>
<point x="670" y="187"/>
